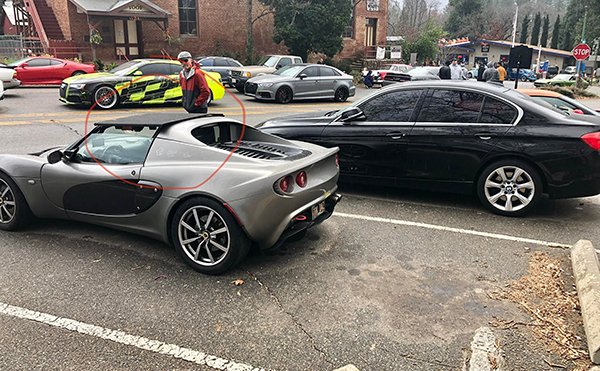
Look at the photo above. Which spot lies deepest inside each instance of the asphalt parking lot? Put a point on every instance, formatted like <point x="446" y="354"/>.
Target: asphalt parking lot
<point x="395" y="280"/>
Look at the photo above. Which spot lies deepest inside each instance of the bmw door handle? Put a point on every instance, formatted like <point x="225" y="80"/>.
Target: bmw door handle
<point x="484" y="136"/>
<point x="396" y="136"/>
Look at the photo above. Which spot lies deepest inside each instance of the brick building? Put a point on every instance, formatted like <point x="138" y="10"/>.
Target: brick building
<point x="147" y="28"/>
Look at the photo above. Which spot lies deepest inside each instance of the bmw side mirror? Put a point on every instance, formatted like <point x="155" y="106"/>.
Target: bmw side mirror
<point x="353" y="114"/>
<point x="303" y="76"/>
<point x="55" y="156"/>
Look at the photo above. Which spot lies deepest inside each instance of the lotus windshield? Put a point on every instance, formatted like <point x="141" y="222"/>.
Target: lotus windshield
<point x="269" y="61"/>
<point x="289" y="70"/>
<point x="125" y="69"/>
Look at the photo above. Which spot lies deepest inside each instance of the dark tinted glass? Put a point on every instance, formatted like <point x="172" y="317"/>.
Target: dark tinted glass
<point x="206" y="62"/>
<point x="497" y="112"/>
<point x="221" y="62"/>
<point x="55" y="62"/>
<point x="311" y="71"/>
<point x="395" y="106"/>
<point x="451" y="106"/>
<point x="38" y="62"/>
<point x="325" y="71"/>
<point x="156" y="69"/>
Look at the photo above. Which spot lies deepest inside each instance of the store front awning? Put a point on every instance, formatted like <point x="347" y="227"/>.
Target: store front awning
<point x="139" y="9"/>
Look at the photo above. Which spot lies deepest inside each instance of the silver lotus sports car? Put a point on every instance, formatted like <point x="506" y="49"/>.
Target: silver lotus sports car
<point x="141" y="174"/>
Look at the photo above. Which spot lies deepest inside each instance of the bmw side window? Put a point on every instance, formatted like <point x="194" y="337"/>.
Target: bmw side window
<point x="497" y="112"/>
<point x="454" y="106"/>
<point x="396" y="106"/>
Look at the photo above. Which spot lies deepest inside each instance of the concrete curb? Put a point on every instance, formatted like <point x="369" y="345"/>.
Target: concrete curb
<point x="587" y="278"/>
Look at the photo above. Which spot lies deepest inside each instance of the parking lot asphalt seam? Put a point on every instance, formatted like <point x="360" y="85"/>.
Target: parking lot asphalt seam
<point x="454" y="230"/>
<point x="121" y="337"/>
<point x="291" y="316"/>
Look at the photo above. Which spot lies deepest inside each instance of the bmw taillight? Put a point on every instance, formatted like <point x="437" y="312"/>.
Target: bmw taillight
<point x="592" y="140"/>
<point x="301" y="179"/>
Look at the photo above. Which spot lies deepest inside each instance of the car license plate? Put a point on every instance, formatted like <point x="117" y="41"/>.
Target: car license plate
<point x="233" y="81"/>
<point x="317" y="209"/>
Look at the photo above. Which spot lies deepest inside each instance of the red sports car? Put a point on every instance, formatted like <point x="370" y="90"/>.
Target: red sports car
<point x="47" y="70"/>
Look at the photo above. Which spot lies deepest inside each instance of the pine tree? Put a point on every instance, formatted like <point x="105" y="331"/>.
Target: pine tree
<point x="535" y="30"/>
<point x="545" y="27"/>
<point x="524" y="27"/>
<point x="555" y="33"/>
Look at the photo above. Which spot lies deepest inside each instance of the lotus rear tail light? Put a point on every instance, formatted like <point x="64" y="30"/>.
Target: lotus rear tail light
<point x="337" y="159"/>
<point x="285" y="184"/>
<point x="592" y="140"/>
<point x="301" y="179"/>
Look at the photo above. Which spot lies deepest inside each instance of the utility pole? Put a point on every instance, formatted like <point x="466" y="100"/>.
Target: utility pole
<point x="515" y="25"/>
<point x="578" y="67"/>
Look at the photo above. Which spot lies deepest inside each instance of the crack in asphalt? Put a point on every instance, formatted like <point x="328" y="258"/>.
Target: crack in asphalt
<point x="67" y="127"/>
<point x="296" y="322"/>
<point x="412" y="358"/>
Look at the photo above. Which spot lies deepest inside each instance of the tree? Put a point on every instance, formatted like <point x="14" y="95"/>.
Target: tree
<point x="250" y="20"/>
<point x="524" y="27"/>
<point x="310" y="26"/>
<point x="426" y="44"/>
<point x="535" y="30"/>
<point x="545" y="29"/>
<point x="555" y="33"/>
<point x="460" y="20"/>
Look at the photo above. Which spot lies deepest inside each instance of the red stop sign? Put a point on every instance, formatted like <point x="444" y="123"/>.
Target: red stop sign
<point x="581" y="52"/>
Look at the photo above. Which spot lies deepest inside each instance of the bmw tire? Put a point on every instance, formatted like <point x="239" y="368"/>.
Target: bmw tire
<point x="509" y="187"/>
<point x="207" y="236"/>
<point x="14" y="211"/>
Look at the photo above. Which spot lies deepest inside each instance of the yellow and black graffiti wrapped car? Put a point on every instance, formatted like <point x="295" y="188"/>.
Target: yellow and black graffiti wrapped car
<point x="140" y="81"/>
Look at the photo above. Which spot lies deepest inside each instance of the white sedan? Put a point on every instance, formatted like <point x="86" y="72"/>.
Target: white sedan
<point x="8" y="76"/>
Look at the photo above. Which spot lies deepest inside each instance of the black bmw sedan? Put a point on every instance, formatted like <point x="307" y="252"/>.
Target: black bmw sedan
<point x="459" y="136"/>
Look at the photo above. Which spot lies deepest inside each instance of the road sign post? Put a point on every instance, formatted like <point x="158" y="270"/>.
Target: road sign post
<point x="581" y="52"/>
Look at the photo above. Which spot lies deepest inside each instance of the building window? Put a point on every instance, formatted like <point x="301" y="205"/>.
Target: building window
<point x="349" y="30"/>
<point x="187" y="17"/>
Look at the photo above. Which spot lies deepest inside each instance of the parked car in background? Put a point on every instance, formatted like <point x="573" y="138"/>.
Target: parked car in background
<point x="570" y="70"/>
<point x="560" y="101"/>
<point x="379" y="74"/>
<point x="415" y="74"/>
<point x="562" y="79"/>
<point x="1" y="92"/>
<point x="459" y="136"/>
<point x="473" y="73"/>
<point x="267" y="64"/>
<point x="145" y="81"/>
<point x="47" y="70"/>
<point x="8" y="76"/>
<point x="302" y="81"/>
<point x="524" y="75"/>
<point x="222" y="65"/>
<point x="271" y="190"/>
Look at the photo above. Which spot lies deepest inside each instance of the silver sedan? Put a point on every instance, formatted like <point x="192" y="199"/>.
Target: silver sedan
<point x="302" y="81"/>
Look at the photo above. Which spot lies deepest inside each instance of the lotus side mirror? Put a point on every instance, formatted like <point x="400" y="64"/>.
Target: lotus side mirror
<point x="303" y="76"/>
<point x="55" y="156"/>
<point x="353" y="114"/>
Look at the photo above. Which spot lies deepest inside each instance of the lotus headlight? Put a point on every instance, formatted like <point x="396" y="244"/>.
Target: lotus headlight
<point x="77" y="86"/>
<point x="265" y="84"/>
<point x="247" y="74"/>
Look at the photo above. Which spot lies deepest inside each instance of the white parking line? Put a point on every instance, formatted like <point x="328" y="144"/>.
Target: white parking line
<point x="121" y="337"/>
<point x="451" y="229"/>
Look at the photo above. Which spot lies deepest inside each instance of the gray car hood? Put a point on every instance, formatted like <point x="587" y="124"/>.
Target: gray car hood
<point x="317" y="118"/>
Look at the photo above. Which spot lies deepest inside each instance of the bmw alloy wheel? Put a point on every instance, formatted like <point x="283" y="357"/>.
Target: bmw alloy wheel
<point x="106" y="97"/>
<point x="204" y="236"/>
<point x="509" y="189"/>
<point x="8" y="206"/>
